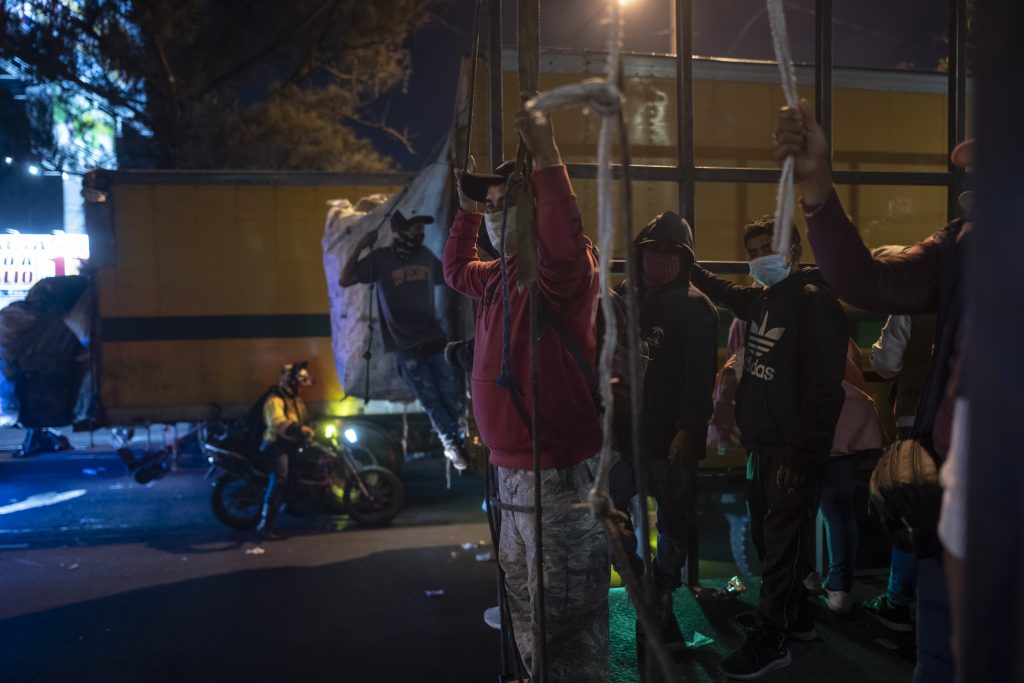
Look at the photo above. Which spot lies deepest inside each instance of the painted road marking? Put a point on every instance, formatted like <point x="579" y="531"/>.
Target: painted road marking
<point x="41" y="500"/>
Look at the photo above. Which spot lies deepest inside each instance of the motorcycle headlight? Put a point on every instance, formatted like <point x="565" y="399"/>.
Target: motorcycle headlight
<point x="351" y="436"/>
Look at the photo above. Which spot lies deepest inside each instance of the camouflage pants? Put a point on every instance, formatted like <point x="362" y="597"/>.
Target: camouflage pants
<point x="575" y="570"/>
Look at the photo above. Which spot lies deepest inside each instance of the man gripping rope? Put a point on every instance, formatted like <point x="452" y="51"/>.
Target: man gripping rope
<point x="575" y="552"/>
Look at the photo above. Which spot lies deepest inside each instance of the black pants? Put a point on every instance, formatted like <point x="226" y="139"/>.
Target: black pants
<point x="782" y="528"/>
<point x="674" y="487"/>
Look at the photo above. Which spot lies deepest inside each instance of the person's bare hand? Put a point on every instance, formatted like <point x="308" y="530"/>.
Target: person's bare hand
<point x="465" y="203"/>
<point x="798" y="134"/>
<point x="539" y="137"/>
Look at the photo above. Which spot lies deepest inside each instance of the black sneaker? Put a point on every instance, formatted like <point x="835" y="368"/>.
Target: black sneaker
<point x="895" y="617"/>
<point x="803" y="630"/>
<point x="755" y="658"/>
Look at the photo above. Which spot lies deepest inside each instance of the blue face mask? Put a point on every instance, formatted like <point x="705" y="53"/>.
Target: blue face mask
<point x="769" y="270"/>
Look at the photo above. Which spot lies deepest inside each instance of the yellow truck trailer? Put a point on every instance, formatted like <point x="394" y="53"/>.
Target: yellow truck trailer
<point x="206" y="282"/>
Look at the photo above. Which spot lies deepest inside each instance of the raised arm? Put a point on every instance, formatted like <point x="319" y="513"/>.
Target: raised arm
<point x="565" y="264"/>
<point x="355" y="270"/>
<point x="463" y="270"/>
<point x="744" y="302"/>
<point x="905" y="283"/>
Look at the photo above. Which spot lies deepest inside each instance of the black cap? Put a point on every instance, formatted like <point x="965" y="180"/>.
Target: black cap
<point x="475" y="185"/>
<point x="667" y="229"/>
<point x="399" y="222"/>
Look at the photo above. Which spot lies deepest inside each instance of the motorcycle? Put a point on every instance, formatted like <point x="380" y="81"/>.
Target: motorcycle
<point x="323" y="475"/>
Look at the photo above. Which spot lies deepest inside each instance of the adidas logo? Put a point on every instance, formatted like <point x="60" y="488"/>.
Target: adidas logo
<point x="761" y="340"/>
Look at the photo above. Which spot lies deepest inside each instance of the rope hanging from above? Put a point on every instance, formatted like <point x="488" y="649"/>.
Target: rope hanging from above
<point x="782" y="235"/>
<point x="604" y="97"/>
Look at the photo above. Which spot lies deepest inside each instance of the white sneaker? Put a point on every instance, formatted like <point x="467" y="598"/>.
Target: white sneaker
<point x="839" y="602"/>
<point x="492" y="617"/>
<point x="456" y="453"/>
<point x="812" y="582"/>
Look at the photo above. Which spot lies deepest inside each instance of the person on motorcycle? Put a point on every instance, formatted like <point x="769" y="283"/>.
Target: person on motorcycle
<point x="285" y="417"/>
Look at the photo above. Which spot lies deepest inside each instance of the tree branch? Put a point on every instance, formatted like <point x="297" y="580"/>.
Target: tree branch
<point x="403" y="136"/>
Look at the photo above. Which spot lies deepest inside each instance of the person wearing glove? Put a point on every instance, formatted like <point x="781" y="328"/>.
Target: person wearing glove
<point x="787" y="404"/>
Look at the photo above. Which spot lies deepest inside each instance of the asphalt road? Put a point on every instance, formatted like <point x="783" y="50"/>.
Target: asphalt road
<point x="102" y="579"/>
<point x="106" y="580"/>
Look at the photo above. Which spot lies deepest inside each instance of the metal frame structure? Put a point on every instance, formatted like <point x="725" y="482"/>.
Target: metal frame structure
<point x="686" y="173"/>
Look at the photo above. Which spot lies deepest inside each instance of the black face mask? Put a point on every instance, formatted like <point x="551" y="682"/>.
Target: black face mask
<point x="406" y="245"/>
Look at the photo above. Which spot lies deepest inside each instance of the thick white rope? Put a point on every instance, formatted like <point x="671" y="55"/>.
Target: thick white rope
<point x="782" y="235"/>
<point x="603" y="97"/>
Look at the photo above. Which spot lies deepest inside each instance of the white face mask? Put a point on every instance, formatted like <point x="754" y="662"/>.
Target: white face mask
<point x="493" y="223"/>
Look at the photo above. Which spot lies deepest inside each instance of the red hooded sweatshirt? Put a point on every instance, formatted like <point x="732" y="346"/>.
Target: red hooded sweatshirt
<point x="569" y="428"/>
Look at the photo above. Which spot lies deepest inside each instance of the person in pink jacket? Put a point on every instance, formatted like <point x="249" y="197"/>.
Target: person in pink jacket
<point x="575" y="553"/>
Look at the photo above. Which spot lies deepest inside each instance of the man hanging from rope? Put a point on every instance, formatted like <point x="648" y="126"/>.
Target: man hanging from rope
<point x="574" y="549"/>
<point x="405" y="275"/>
<point x="680" y="327"/>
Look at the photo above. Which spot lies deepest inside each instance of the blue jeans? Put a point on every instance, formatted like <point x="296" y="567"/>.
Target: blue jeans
<point x="902" y="578"/>
<point x="432" y="380"/>
<point x="934" y="654"/>
<point x="840" y="522"/>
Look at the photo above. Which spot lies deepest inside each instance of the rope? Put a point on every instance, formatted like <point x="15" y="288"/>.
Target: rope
<point x="782" y="235"/>
<point x="605" y="98"/>
<point x="472" y="83"/>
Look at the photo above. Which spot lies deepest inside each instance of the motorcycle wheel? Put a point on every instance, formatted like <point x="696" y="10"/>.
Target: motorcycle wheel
<point x="236" y="503"/>
<point x="385" y="501"/>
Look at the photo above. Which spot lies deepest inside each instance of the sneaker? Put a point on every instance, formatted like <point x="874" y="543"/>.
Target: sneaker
<point x="755" y="658"/>
<point x="895" y="617"/>
<point x="803" y="630"/>
<point x="812" y="582"/>
<point x="457" y="454"/>
<point x="492" y="617"/>
<point x="839" y="602"/>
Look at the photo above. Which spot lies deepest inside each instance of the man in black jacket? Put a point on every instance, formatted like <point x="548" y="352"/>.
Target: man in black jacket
<point x="787" y="405"/>
<point x="680" y="327"/>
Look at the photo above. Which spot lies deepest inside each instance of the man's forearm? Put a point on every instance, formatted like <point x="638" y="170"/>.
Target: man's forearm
<point x="348" y="271"/>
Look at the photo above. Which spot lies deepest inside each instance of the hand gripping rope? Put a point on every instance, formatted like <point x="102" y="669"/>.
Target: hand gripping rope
<point x="604" y="97"/>
<point x="782" y="235"/>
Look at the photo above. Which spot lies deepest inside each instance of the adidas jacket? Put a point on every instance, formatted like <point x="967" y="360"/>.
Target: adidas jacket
<point x="790" y="396"/>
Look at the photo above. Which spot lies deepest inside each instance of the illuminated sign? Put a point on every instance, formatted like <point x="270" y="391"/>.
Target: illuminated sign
<point x="27" y="259"/>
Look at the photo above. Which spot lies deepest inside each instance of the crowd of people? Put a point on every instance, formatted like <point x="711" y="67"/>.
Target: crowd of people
<point x="792" y="393"/>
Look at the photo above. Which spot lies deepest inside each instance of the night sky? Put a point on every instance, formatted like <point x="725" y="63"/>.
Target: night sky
<point x="905" y="34"/>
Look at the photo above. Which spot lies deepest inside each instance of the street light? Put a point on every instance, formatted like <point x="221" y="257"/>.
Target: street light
<point x="8" y="160"/>
<point x="33" y="169"/>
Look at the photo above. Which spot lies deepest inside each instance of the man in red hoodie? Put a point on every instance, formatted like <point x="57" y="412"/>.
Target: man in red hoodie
<point x="575" y="553"/>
